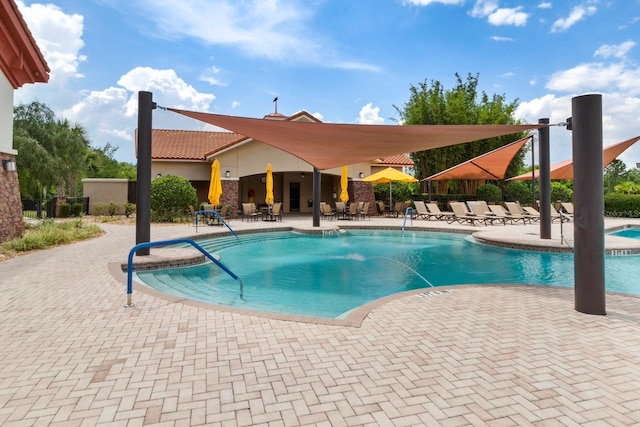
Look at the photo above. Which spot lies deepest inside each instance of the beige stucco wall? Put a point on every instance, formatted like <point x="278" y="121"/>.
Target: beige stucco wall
<point x="6" y="116"/>
<point x="247" y="163"/>
<point x="100" y="191"/>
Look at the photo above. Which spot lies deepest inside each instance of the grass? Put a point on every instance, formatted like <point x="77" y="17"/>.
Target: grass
<point x="48" y="234"/>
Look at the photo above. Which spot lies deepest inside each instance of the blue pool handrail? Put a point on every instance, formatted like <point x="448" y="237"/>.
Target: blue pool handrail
<point x="165" y="243"/>
<point x="408" y="212"/>
<point x="217" y="215"/>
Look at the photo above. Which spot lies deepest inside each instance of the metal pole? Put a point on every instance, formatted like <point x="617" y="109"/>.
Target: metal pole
<point x="545" y="181"/>
<point x="316" y="197"/>
<point x="588" y="200"/>
<point x="143" y="181"/>
<point x="533" y="170"/>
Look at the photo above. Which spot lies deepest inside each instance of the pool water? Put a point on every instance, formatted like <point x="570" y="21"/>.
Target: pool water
<point x="312" y="275"/>
<point x="632" y="232"/>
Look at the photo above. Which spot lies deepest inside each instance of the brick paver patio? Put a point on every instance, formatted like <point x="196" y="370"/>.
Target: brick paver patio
<point x="480" y="355"/>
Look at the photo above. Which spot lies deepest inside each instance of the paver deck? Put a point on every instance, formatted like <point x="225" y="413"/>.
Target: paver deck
<point x="481" y="355"/>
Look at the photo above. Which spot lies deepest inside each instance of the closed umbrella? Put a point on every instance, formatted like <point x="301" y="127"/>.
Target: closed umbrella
<point x="389" y="175"/>
<point x="344" y="183"/>
<point x="269" y="197"/>
<point x="215" y="186"/>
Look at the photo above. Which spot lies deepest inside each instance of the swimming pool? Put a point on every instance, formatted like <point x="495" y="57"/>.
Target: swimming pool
<point x="631" y="232"/>
<point x="312" y="275"/>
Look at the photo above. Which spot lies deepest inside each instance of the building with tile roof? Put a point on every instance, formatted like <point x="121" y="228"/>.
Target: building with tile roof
<point x="21" y="62"/>
<point x="243" y="163"/>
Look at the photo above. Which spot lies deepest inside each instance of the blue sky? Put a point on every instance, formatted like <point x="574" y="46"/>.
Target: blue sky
<point x="344" y="61"/>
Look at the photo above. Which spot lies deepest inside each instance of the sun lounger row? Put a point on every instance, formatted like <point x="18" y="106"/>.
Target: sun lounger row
<point x="479" y="212"/>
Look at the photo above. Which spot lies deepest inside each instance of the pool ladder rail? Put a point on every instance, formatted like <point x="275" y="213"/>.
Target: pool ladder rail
<point x="409" y="213"/>
<point x="166" y="243"/>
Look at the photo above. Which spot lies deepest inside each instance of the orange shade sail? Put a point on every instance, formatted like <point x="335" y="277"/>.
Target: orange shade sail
<point x="491" y="166"/>
<point x="330" y="145"/>
<point x="564" y="169"/>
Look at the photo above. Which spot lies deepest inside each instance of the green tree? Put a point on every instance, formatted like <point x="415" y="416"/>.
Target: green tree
<point x="55" y="154"/>
<point x="51" y="153"/>
<point x="171" y="197"/>
<point x="614" y="174"/>
<point x="432" y="104"/>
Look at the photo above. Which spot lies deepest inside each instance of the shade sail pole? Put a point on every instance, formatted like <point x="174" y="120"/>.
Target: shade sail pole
<point x="143" y="180"/>
<point x="545" y="181"/>
<point x="588" y="199"/>
<point x="316" y="197"/>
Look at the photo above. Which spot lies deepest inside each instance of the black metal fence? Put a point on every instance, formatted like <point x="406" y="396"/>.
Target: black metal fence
<point x="46" y="208"/>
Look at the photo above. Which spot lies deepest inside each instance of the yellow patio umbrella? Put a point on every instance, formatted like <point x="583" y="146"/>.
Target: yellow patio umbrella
<point x="215" y="186"/>
<point x="389" y="175"/>
<point x="269" y="197"/>
<point x="344" y="183"/>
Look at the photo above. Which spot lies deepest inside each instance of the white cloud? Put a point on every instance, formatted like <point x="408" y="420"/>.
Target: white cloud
<point x="235" y="104"/>
<point x="616" y="51"/>
<point x="620" y="113"/>
<point x="483" y="8"/>
<point x="501" y="39"/>
<point x="512" y="16"/>
<point x="499" y="16"/>
<point x="578" y="13"/>
<point x="210" y="76"/>
<point x="597" y="77"/>
<point x="544" y="5"/>
<point x="59" y="37"/>
<point x="428" y="2"/>
<point x="276" y="30"/>
<point x="370" y="115"/>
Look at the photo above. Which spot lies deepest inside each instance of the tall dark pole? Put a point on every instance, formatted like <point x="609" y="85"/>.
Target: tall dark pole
<point x="316" y="197"/>
<point x="143" y="181"/>
<point x="588" y="200"/>
<point x="533" y="170"/>
<point x="545" y="180"/>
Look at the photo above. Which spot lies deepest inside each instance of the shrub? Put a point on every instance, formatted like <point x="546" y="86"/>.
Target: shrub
<point x="76" y="209"/>
<point x="171" y="197"/>
<point x="518" y="191"/>
<point x="129" y="208"/>
<point x="560" y="192"/>
<point x="490" y="193"/>
<point x="65" y="210"/>
<point x="623" y="205"/>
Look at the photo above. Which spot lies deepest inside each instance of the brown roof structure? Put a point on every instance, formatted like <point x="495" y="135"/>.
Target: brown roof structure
<point x="188" y="144"/>
<point x="200" y="145"/>
<point x="564" y="169"/>
<point x="20" y="58"/>
<point x="329" y="145"/>
<point x="490" y="166"/>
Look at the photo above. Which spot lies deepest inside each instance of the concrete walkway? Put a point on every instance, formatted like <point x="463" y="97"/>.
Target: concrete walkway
<point x="480" y="355"/>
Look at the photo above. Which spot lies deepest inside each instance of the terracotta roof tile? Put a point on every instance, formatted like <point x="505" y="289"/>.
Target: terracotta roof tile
<point x="398" y="160"/>
<point x="188" y="144"/>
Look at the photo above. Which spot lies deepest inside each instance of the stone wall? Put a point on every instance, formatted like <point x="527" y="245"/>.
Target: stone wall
<point x="230" y="196"/>
<point x="11" y="222"/>
<point x="363" y="192"/>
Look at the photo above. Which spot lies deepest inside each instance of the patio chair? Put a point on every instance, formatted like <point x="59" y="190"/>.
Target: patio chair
<point x="435" y="212"/>
<point x="567" y="208"/>
<point x="421" y="210"/>
<point x="462" y="216"/>
<point x="499" y="211"/>
<point x="276" y="211"/>
<point x="353" y="211"/>
<point x="341" y="210"/>
<point x="327" y="212"/>
<point x="481" y="210"/>
<point x="364" y="213"/>
<point x="249" y="212"/>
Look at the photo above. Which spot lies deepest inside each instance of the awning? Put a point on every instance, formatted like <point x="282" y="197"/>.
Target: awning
<point x="492" y="165"/>
<point x="564" y="170"/>
<point x="331" y="145"/>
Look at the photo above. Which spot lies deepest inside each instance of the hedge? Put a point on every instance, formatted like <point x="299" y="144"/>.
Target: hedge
<point x="622" y="205"/>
